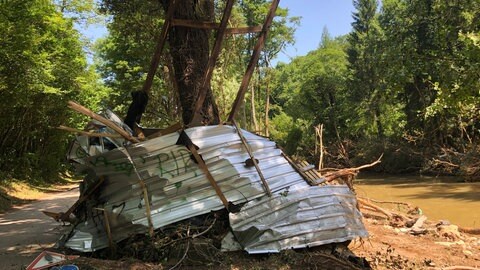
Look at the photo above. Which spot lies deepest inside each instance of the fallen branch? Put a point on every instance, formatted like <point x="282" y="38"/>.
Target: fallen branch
<point x="377" y="208"/>
<point x="350" y="171"/>
<point x="390" y="202"/>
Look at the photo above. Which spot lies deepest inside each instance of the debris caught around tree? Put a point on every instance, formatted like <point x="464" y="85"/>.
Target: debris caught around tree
<point x="188" y="173"/>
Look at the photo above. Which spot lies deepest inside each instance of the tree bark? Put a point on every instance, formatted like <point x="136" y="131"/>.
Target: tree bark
<point x="189" y="48"/>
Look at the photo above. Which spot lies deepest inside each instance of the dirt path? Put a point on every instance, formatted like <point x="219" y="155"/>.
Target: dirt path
<point x="25" y="231"/>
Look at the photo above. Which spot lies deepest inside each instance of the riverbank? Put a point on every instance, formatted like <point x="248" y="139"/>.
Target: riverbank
<point x="438" y="247"/>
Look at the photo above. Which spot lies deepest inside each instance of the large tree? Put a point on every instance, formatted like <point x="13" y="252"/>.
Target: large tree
<point x="133" y="30"/>
<point x="190" y="50"/>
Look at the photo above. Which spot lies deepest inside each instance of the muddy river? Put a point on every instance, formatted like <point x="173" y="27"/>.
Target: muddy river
<point x="445" y="198"/>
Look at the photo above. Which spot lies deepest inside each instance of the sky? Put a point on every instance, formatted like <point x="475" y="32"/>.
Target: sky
<point x="336" y="15"/>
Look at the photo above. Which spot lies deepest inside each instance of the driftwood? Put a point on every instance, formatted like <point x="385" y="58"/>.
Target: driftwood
<point x="349" y="172"/>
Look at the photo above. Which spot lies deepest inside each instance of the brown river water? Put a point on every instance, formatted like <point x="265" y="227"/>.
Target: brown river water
<point x="439" y="198"/>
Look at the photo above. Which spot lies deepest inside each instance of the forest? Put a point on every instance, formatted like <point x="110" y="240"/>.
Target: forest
<point x="405" y="82"/>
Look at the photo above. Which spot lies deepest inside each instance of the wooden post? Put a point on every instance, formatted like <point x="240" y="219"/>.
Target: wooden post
<point x="108" y="230"/>
<point x="319" y="131"/>
<point x="196" y="120"/>
<point x="253" y="60"/>
<point x="144" y="191"/>
<point x="159" y="48"/>
<point x="250" y="153"/>
<point x="267" y="98"/>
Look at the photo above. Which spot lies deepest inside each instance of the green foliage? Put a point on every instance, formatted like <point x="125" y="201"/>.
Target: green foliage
<point x="432" y="63"/>
<point x="124" y="56"/>
<point x="42" y="66"/>
<point x="311" y="91"/>
<point x="406" y="79"/>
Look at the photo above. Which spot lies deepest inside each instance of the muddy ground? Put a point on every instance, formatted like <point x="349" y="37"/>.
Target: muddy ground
<point x="25" y="232"/>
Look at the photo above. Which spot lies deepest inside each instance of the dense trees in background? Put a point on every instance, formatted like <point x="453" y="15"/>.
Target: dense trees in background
<point x="404" y="82"/>
<point x="411" y="86"/>
<point x="42" y="65"/>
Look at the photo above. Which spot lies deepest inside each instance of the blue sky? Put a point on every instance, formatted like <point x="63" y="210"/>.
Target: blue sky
<point x="336" y="15"/>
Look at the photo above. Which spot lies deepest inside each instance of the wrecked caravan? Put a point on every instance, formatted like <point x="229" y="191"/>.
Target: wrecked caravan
<point x="134" y="188"/>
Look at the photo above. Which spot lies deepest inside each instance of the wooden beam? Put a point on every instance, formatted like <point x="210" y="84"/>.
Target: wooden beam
<point x="217" y="47"/>
<point x="79" y="108"/>
<point x="177" y="126"/>
<point x="253" y="60"/>
<point x="159" y="48"/>
<point x="214" y="25"/>
<point x="250" y="153"/>
<point x="207" y="173"/>
<point x="243" y="30"/>
<point x="108" y="230"/>
<point x="195" y="24"/>
<point x="146" y="199"/>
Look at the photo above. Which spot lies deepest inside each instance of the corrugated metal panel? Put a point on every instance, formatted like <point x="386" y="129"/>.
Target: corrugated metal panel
<point x="177" y="187"/>
<point x="303" y="218"/>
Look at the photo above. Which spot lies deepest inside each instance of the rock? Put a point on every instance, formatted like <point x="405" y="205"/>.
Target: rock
<point x="443" y="222"/>
<point x="467" y="252"/>
<point x="449" y="244"/>
<point x="418" y="231"/>
<point x="419" y="222"/>
<point x="449" y="231"/>
<point x="446" y="244"/>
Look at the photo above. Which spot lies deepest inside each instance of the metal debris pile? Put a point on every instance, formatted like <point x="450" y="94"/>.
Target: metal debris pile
<point x="136" y="187"/>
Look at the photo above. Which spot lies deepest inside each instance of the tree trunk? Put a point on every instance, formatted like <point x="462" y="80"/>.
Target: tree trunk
<point x="190" y="51"/>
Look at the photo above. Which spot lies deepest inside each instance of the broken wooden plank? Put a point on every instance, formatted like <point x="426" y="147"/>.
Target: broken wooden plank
<point x="175" y="127"/>
<point x="79" y="108"/>
<point x="88" y="192"/>
<point x="144" y="191"/>
<point x="253" y="60"/>
<point x="243" y="30"/>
